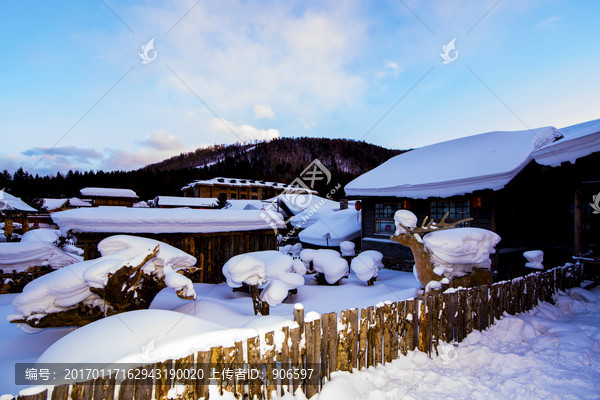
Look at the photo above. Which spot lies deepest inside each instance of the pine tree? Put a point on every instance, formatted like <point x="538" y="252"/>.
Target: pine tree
<point x="221" y="200"/>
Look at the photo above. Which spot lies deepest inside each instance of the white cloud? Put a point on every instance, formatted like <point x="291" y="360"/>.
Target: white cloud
<point x="547" y="22"/>
<point x="163" y="141"/>
<point x="244" y="132"/>
<point x="393" y="69"/>
<point x="263" y="111"/>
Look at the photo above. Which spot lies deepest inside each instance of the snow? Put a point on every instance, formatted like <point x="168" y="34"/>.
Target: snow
<point x="244" y="269"/>
<point x="9" y="202"/>
<point x="550" y="352"/>
<point x="108" y="192"/>
<point x="455" y="167"/>
<point x="65" y="288"/>
<point x="173" y="201"/>
<point x="406" y="218"/>
<point x="41" y="235"/>
<point x="317" y="206"/>
<point x="18" y="256"/>
<point x="77" y="202"/>
<point x="330" y="264"/>
<point x="347" y="248"/>
<point x="298" y="203"/>
<point x="579" y="140"/>
<point x="377" y="256"/>
<point x="332" y="228"/>
<point x="159" y="220"/>
<point x="458" y="249"/>
<point x="534" y="259"/>
<point x="363" y="267"/>
<point x="54" y="204"/>
<point x="229" y="316"/>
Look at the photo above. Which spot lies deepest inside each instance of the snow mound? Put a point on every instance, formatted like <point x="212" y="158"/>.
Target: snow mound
<point x="347" y="248"/>
<point x="375" y="255"/>
<point x="65" y="288"/>
<point x="263" y="268"/>
<point x="456" y="251"/>
<point x="41" y="235"/>
<point x="19" y="256"/>
<point x="364" y="267"/>
<point x="332" y="228"/>
<point x="330" y="264"/>
<point x="534" y="259"/>
<point x="406" y="218"/>
<point x="142" y="336"/>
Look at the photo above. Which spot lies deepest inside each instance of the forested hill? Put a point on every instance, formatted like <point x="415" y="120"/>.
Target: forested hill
<point x="279" y="160"/>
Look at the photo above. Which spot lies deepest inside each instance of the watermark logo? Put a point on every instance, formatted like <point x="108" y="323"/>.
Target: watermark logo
<point x="448" y="352"/>
<point x="449" y="52"/>
<point x="596" y="204"/>
<point x="299" y="196"/>
<point x="149" y="353"/>
<point x="148" y="53"/>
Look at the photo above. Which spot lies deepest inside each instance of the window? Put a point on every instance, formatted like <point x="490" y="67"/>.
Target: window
<point x="254" y="189"/>
<point x="384" y="218"/>
<point x="242" y="196"/>
<point x="456" y="209"/>
<point x="233" y="195"/>
<point x="254" y="197"/>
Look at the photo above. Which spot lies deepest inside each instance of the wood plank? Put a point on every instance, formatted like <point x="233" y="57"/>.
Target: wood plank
<point x="324" y="346"/>
<point x="424" y="344"/>
<point x="43" y="395"/>
<point x="299" y="316"/>
<point x="309" y="331"/>
<point x="104" y="389"/>
<point x="484" y="310"/>
<point x="229" y="364"/>
<point x="401" y="320"/>
<point x="393" y="326"/>
<point x="411" y="322"/>
<point x="254" y="361"/>
<point x="284" y="359"/>
<point x="126" y="390"/>
<point x="333" y="343"/>
<point x="315" y="375"/>
<point x="143" y="387"/>
<point x="202" y="363"/>
<point x="295" y="356"/>
<point x="61" y="392"/>
<point x="387" y="334"/>
<point x="362" y="339"/>
<point x="84" y="390"/>
<point x="378" y="333"/>
<point x="353" y="337"/>
<point x="268" y="360"/>
<point x="343" y="352"/>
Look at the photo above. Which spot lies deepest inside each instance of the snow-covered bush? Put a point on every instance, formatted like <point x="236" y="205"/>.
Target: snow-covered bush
<point x="330" y="264"/>
<point x="534" y="259"/>
<point x="366" y="265"/>
<point x="127" y="276"/>
<point x="263" y="268"/>
<point x="347" y="249"/>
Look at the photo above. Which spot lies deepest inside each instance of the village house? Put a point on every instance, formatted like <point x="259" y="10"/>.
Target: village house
<point x="513" y="183"/>
<point x="234" y="188"/>
<point x="109" y="196"/>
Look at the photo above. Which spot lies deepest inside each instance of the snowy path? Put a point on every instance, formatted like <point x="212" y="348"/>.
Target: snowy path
<point x="551" y="352"/>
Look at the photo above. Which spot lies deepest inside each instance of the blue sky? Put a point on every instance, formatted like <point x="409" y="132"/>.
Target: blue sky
<point x="76" y="95"/>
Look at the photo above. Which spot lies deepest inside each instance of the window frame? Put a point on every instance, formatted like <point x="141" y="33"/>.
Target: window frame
<point x="395" y="206"/>
<point x="448" y="205"/>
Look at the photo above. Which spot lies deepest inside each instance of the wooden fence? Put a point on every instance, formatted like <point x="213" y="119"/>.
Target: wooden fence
<point x="355" y="339"/>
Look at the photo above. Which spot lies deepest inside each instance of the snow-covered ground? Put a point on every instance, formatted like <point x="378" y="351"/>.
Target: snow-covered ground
<point x="551" y="352"/>
<point x="217" y="304"/>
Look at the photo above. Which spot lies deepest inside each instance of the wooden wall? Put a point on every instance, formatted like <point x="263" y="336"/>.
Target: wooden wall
<point x="211" y="250"/>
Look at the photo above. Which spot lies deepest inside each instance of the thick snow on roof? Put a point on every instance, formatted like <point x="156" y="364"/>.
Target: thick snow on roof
<point x="174" y="201"/>
<point x="242" y="204"/>
<point x="108" y="192"/>
<point x="12" y="203"/>
<point x="579" y="141"/>
<point x="54" y="204"/>
<point x="333" y="228"/>
<point x="485" y="161"/>
<point x="220" y="181"/>
<point x="310" y="215"/>
<point x="77" y="202"/>
<point x="158" y="220"/>
<point x="21" y="255"/>
<point x="300" y="202"/>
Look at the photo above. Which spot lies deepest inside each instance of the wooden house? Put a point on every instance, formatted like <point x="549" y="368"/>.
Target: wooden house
<point x="109" y="196"/>
<point x="13" y="211"/>
<point x="234" y="188"/>
<point x="212" y="236"/>
<point x="505" y="181"/>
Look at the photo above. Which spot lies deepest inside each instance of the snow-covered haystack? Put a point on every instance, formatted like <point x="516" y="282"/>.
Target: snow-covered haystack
<point x="130" y="272"/>
<point x="534" y="259"/>
<point x="366" y="265"/>
<point x="272" y="271"/>
<point x="329" y="265"/>
<point x="347" y="248"/>
<point x="455" y="252"/>
<point x="445" y="254"/>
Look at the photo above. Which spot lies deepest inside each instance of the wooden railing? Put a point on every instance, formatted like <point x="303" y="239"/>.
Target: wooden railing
<point x="304" y="355"/>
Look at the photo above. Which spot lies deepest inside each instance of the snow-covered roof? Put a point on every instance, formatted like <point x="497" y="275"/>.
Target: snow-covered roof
<point x="220" y="181"/>
<point x="244" y="204"/>
<point x="77" y="202"/>
<point x="11" y="203"/>
<point x="108" y="192"/>
<point x="54" y="204"/>
<point x="300" y="202"/>
<point x="332" y="228"/>
<point x="159" y="220"/>
<point x="174" y="201"/>
<point x="21" y="255"/>
<point x="485" y="161"/>
<point x="310" y="215"/>
<point x="579" y="141"/>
